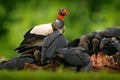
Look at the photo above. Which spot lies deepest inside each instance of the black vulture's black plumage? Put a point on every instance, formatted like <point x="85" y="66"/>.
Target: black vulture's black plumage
<point x="109" y="46"/>
<point x="51" y="43"/>
<point x="17" y="63"/>
<point x="108" y="33"/>
<point x="86" y="42"/>
<point x="76" y="56"/>
<point x="73" y="43"/>
<point x="54" y="48"/>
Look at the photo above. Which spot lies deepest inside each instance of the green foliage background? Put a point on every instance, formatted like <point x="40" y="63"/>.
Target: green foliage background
<point x="85" y="16"/>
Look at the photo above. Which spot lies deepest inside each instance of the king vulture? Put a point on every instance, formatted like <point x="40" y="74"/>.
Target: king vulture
<point x="34" y="37"/>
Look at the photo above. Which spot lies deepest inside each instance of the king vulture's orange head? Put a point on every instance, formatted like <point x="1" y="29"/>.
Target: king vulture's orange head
<point x="63" y="12"/>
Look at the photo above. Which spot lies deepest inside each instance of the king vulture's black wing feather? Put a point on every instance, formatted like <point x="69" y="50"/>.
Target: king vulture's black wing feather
<point x="30" y="41"/>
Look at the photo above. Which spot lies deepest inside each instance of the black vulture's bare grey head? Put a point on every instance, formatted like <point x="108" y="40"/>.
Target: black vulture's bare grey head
<point x="95" y="43"/>
<point x="104" y="42"/>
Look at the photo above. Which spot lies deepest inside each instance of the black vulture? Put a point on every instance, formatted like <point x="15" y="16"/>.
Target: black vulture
<point x="76" y="57"/>
<point x="108" y="33"/>
<point x="51" y="43"/>
<point x="115" y="43"/>
<point x="34" y="37"/>
<point x="86" y="42"/>
<point x="17" y="63"/>
<point x="109" y="46"/>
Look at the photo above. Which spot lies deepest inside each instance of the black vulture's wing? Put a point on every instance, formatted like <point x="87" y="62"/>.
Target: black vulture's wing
<point x="73" y="43"/>
<point x="109" y="32"/>
<point x="17" y="63"/>
<point x="51" y="43"/>
<point x="74" y="56"/>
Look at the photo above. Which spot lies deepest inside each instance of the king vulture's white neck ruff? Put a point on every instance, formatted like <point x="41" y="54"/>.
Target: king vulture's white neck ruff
<point x="43" y="29"/>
